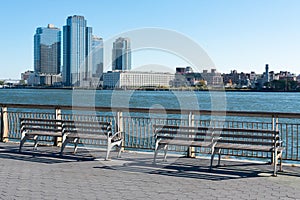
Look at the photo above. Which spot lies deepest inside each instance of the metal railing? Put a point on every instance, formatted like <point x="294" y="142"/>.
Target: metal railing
<point x="137" y="123"/>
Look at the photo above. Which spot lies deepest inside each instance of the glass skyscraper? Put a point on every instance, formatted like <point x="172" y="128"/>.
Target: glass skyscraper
<point x="121" y="54"/>
<point x="47" y="50"/>
<point x="97" y="56"/>
<point x="77" y="46"/>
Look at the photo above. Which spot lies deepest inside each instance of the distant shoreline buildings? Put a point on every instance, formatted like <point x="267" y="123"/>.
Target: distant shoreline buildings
<point x="83" y="62"/>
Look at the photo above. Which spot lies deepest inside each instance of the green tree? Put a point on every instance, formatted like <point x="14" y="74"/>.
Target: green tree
<point x="284" y="85"/>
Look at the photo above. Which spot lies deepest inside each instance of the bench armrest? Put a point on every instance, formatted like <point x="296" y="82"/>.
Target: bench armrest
<point x="216" y="139"/>
<point x="116" y="134"/>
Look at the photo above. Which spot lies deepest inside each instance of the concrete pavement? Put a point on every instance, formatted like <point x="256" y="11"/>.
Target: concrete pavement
<point x="44" y="175"/>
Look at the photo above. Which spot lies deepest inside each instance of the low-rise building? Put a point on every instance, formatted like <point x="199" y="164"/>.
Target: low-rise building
<point x="134" y="79"/>
<point x="32" y="78"/>
<point x="213" y="78"/>
<point x="50" y="79"/>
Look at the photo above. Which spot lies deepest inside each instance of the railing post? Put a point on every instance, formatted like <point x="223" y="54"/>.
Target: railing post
<point x="119" y="127"/>
<point x="4" y="116"/>
<point x="58" y="140"/>
<point x="274" y="128"/>
<point x="191" y="123"/>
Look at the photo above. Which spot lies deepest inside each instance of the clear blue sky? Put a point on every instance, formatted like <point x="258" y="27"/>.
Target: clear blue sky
<point x="236" y="34"/>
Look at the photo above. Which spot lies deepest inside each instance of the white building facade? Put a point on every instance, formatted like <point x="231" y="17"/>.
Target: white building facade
<point x="133" y="79"/>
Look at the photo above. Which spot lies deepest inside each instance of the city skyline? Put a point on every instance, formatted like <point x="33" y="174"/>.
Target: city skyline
<point x="236" y="35"/>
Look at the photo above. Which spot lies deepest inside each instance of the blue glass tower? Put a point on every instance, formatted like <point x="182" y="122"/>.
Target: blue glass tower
<point x="77" y="42"/>
<point x="97" y="49"/>
<point x="47" y="50"/>
<point x="121" y="54"/>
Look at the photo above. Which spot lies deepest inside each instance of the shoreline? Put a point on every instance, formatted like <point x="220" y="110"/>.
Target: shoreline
<point x="155" y="89"/>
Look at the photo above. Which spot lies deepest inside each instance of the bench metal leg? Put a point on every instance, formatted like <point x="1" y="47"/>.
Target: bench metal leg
<point x="63" y="144"/>
<point x="76" y="141"/>
<point x="165" y="153"/>
<point x="219" y="157"/>
<point x="279" y="156"/>
<point x="23" y="139"/>
<point x="35" y="138"/>
<point x="110" y="145"/>
<point x="280" y="168"/>
<point x="107" y="153"/>
<point x="157" y="148"/>
<point x="119" y="149"/>
<point x="275" y="164"/>
<point x="211" y="160"/>
<point x="155" y="152"/>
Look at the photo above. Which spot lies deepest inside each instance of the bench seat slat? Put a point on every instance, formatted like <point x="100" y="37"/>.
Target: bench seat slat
<point x="86" y="126"/>
<point x="29" y="120"/>
<point x="264" y="137"/>
<point x="246" y="147"/>
<point x="44" y="133"/>
<point x="49" y="129"/>
<point x="185" y="143"/>
<point x="90" y="123"/>
<point x="95" y="132"/>
<point x="263" y="131"/>
<point x="175" y="132"/>
<point x="33" y="124"/>
<point x="87" y="136"/>
<point x="172" y="127"/>
<point x="207" y="138"/>
<point x="246" y="142"/>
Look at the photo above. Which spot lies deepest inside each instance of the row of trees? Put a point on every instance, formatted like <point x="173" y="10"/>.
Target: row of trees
<point x="283" y="85"/>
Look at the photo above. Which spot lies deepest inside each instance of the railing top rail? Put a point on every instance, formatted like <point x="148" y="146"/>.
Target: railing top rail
<point x="158" y="111"/>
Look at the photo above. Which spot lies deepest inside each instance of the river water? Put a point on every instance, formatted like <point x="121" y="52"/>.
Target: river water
<point x="204" y="100"/>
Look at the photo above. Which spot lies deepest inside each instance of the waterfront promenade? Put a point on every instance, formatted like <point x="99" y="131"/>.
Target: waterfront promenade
<point x="44" y="175"/>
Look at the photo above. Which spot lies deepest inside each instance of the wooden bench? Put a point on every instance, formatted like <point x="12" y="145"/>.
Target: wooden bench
<point x="250" y="140"/>
<point x="166" y="135"/>
<point x="74" y="131"/>
<point x="33" y="128"/>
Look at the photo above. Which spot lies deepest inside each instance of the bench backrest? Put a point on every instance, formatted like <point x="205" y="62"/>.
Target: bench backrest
<point x="86" y="127"/>
<point x="186" y="133"/>
<point x="248" y="136"/>
<point x="227" y="135"/>
<point x="39" y="124"/>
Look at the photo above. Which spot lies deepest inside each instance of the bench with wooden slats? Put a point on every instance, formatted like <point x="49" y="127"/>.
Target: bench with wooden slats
<point x="250" y="140"/>
<point x="182" y="136"/>
<point x="74" y="131"/>
<point x="34" y="128"/>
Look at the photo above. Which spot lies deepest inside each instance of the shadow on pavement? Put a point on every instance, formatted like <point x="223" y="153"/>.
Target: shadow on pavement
<point x="185" y="167"/>
<point x="47" y="155"/>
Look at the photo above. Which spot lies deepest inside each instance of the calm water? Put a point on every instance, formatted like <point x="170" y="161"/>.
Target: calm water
<point x="237" y="101"/>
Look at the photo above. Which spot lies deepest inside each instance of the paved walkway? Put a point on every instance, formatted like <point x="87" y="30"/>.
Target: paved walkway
<point x="44" y="175"/>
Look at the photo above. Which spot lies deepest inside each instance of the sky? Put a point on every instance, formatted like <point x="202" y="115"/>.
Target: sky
<point x="236" y="34"/>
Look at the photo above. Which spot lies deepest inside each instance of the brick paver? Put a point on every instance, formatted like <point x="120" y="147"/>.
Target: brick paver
<point x="30" y="176"/>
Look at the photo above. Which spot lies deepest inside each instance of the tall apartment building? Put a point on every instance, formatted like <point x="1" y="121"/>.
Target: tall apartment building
<point x="77" y="46"/>
<point x="97" y="57"/>
<point x="47" y="50"/>
<point x="121" y="54"/>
